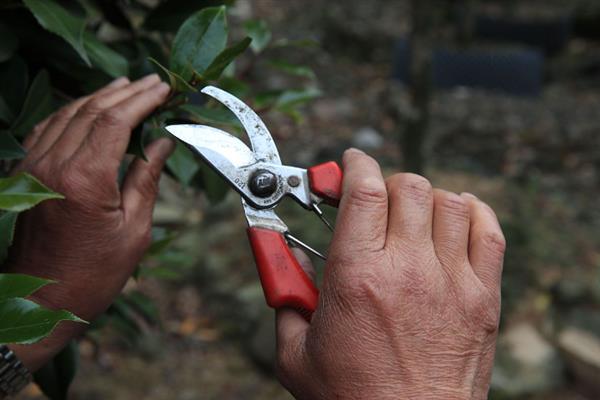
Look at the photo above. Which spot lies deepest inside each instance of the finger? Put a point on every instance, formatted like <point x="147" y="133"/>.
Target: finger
<point x="486" y="243"/>
<point x="450" y="229"/>
<point x="291" y="333"/>
<point x="112" y="129"/>
<point x="411" y="210"/>
<point x="362" y="218"/>
<point x="92" y="112"/>
<point x="305" y="263"/>
<point x="140" y="187"/>
<point x="36" y="133"/>
<point x="57" y="122"/>
<point x="292" y="328"/>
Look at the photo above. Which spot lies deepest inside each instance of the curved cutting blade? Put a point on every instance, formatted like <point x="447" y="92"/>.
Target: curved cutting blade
<point x="224" y="152"/>
<point x="260" y="137"/>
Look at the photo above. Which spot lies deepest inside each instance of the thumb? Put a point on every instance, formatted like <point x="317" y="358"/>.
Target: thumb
<point x="291" y="332"/>
<point x="141" y="183"/>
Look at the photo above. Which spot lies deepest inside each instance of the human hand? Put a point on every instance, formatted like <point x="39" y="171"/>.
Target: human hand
<point x="90" y="242"/>
<point x="410" y="303"/>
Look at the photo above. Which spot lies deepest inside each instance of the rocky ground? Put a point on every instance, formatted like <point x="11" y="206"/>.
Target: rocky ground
<point x="535" y="160"/>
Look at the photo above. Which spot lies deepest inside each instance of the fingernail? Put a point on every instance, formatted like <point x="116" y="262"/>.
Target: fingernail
<point x="469" y="195"/>
<point x="353" y="150"/>
<point x="151" y="77"/>
<point x="166" y="146"/>
<point x="118" y="82"/>
<point x="163" y="88"/>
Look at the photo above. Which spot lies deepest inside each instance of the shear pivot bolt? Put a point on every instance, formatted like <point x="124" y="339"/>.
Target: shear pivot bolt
<point x="263" y="183"/>
<point x="293" y="181"/>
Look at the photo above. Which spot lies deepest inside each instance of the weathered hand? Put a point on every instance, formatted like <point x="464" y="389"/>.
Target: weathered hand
<point x="410" y="302"/>
<point x="91" y="241"/>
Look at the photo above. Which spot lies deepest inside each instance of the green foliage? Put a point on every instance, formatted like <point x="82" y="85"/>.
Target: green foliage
<point x="25" y="322"/>
<point x="19" y="285"/>
<point x="260" y="34"/>
<point x="57" y="20"/>
<point x="198" y="42"/>
<point x="21" y="192"/>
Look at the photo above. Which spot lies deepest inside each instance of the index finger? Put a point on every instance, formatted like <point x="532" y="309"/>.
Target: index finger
<point x="112" y="129"/>
<point x="362" y="218"/>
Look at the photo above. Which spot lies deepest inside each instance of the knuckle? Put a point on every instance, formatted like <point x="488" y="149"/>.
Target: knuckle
<point x="37" y="129"/>
<point x="91" y="108"/>
<point x="148" y="182"/>
<point x="484" y="311"/>
<point x="494" y="243"/>
<point x="354" y="284"/>
<point x="454" y="204"/>
<point x="110" y="118"/>
<point x="368" y="191"/>
<point x="63" y="114"/>
<point x="416" y="187"/>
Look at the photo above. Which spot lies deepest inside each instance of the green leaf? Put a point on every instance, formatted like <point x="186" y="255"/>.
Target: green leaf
<point x="297" y="70"/>
<point x="6" y="114"/>
<point x="23" y="191"/>
<point x="10" y="149"/>
<point x="8" y="43"/>
<point x="37" y="105"/>
<point x="215" y="69"/>
<point x="220" y="116"/>
<point x="56" y="19"/>
<point x="14" y="79"/>
<point x="144" y="305"/>
<point x="19" y="285"/>
<point x="55" y="377"/>
<point x="177" y="82"/>
<point x="234" y="86"/>
<point x="260" y="34"/>
<point x="136" y="144"/>
<point x="105" y="58"/>
<point x="183" y="164"/>
<point x="292" y="98"/>
<point x="215" y="187"/>
<point x="7" y="231"/>
<point x="201" y="38"/>
<point x="161" y="240"/>
<point x="24" y="322"/>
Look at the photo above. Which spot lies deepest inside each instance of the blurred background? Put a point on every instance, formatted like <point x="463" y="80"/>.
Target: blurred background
<point x="498" y="98"/>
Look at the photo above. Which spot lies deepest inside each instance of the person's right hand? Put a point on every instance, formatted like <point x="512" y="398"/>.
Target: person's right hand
<point x="410" y="302"/>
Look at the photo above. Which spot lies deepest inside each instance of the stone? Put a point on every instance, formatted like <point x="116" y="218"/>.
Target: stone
<point x="525" y="363"/>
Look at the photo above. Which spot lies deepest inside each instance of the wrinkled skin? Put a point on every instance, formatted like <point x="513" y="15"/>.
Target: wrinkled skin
<point x="91" y="241"/>
<point x="410" y="302"/>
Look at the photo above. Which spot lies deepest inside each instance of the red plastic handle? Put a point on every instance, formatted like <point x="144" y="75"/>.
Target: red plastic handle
<point x="284" y="282"/>
<point x="326" y="182"/>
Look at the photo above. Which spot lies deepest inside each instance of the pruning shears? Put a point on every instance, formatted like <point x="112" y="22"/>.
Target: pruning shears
<point x="262" y="181"/>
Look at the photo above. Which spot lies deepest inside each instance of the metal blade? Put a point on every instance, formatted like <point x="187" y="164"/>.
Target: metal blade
<point x="225" y="153"/>
<point x="209" y="141"/>
<point x="260" y="137"/>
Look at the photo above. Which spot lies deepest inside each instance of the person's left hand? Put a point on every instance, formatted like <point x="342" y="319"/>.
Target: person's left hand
<point x="90" y="242"/>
